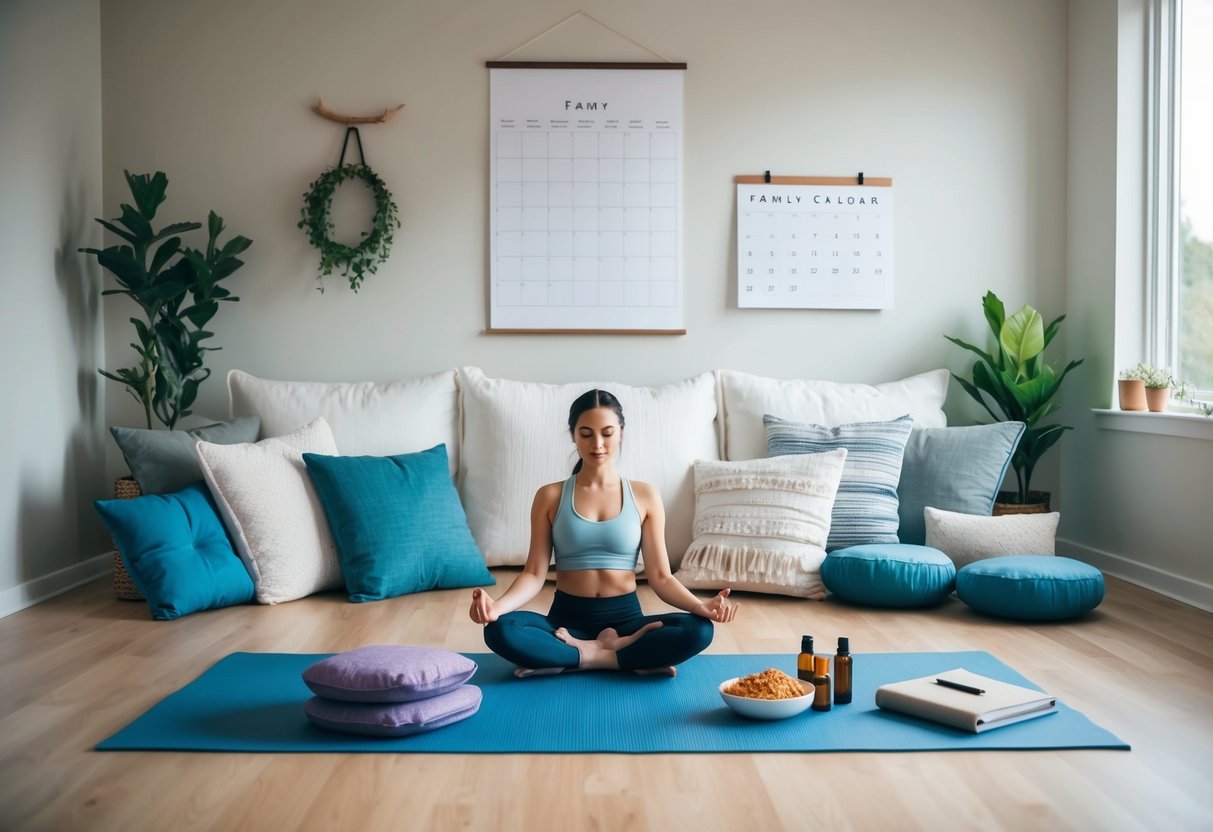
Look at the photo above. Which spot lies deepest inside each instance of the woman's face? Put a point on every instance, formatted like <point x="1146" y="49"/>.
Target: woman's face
<point x="598" y="435"/>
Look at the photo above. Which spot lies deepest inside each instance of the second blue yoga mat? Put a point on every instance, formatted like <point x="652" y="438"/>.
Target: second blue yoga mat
<point x="253" y="702"/>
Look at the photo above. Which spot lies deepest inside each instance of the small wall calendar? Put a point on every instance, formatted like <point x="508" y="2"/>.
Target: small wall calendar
<point x="585" y="203"/>
<point x="814" y="243"/>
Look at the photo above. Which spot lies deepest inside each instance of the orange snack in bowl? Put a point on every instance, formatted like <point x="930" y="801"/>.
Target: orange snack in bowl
<point x="769" y="684"/>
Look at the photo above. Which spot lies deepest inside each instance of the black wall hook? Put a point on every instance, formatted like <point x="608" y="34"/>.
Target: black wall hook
<point x="358" y="138"/>
<point x="861" y="177"/>
<point x="767" y="177"/>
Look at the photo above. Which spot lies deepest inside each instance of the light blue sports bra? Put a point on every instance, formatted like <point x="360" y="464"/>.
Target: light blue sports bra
<point x="579" y="543"/>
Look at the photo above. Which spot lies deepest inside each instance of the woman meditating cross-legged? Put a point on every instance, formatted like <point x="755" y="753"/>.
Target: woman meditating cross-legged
<point x="597" y="524"/>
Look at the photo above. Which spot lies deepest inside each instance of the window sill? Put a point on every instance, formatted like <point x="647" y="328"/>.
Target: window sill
<point x="1187" y="425"/>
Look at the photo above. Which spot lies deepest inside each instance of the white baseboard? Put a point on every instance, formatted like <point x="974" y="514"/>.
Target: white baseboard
<point x="1188" y="590"/>
<point x="16" y="598"/>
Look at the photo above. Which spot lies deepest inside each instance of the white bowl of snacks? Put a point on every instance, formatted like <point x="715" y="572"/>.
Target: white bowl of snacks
<point x="771" y="694"/>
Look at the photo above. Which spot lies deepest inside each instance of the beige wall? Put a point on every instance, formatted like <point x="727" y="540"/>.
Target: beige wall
<point x="50" y="325"/>
<point x="962" y="103"/>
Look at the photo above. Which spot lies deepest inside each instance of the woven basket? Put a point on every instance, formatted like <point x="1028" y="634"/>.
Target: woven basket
<point x="125" y="488"/>
<point x="1039" y="503"/>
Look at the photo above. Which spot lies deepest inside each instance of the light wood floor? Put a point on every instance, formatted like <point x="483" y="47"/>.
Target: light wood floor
<point x="81" y="666"/>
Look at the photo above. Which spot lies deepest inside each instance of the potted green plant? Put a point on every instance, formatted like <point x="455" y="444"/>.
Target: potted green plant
<point x="1131" y="389"/>
<point x="1159" y="382"/>
<point x="178" y="291"/>
<point x="1015" y="383"/>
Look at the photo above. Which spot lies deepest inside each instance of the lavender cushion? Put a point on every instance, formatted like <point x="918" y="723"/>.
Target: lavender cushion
<point x="394" y="719"/>
<point x="388" y="673"/>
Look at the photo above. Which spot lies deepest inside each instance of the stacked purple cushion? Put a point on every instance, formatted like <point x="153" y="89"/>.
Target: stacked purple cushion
<point x="387" y="690"/>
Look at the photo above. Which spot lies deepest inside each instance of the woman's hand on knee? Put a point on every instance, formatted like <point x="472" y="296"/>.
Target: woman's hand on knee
<point x="484" y="608"/>
<point x="718" y="609"/>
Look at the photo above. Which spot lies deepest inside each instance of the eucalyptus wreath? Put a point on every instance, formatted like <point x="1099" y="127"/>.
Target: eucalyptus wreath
<point x="354" y="261"/>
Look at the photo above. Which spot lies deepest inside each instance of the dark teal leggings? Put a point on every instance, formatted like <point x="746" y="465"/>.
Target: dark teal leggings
<point x="528" y="639"/>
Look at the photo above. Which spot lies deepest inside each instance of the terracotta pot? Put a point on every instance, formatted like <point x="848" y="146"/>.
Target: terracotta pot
<point x="1132" y="394"/>
<point x="1038" y="503"/>
<point x="1157" y="398"/>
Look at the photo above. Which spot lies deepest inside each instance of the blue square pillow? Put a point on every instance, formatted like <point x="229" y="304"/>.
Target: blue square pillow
<point x="954" y="469"/>
<point x="177" y="551"/>
<point x="865" y="509"/>
<point x="397" y="522"/>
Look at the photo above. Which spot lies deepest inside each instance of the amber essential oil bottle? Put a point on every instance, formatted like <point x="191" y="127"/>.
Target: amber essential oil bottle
<point x="804" y="662"/>
<point x="821" y="683"/>
<point x="843" y="665"/>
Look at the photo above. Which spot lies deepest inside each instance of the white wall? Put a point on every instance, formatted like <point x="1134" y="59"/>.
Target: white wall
<point x="961" y="102"/>
<point x="50" y="325"/>
<point x="964" y="103"/>
<point x="1137" y="505"/>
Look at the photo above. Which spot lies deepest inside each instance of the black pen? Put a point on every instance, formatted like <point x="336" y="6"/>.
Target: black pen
<point x="947" y="683"/>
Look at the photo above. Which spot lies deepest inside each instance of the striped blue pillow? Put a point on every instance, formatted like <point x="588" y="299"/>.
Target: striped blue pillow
<point x="865" y="510"/>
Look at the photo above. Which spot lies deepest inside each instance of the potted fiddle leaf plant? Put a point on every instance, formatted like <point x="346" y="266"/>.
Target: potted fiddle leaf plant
<point x="1013" y="382"/>
<point x="178" y="291"/>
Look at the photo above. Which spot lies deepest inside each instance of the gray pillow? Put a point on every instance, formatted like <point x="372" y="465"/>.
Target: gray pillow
<point x="163" y="461"/>
<point x="388" y="673"/>
<point x="394" y="719"/>
<point x="954" y="469"/>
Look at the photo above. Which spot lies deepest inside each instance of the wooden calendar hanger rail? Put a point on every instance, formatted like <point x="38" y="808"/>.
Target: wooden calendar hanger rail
<point x="321" y="109"/>
<point x="768" y="179"/>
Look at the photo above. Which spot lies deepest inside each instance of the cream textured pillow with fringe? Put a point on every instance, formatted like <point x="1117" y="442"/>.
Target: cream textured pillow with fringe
<point x="761" y="524"/>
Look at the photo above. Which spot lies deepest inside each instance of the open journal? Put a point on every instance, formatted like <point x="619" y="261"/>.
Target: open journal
<point x="998" y="704"/>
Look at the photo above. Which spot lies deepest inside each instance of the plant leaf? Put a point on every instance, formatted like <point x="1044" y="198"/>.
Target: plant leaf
<point x="148" y="191"/>
<point x="989" y="359"/>
<point x="1052" y="328"/>
<point x="109" y="226"/>
<point x="140" y="228"/>
<point x="234" y="246"/>
<point x="994" y="311"/>
<point x="125" y="268"/>
<point x="164" y="253"/>
<point x="175" y="228"/>
<point x="200" y="313"/>
<point x="1022" y="337"/>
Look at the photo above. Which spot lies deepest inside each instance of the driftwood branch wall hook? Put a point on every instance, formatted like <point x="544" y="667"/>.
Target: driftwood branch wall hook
<point x="321" y="109"/>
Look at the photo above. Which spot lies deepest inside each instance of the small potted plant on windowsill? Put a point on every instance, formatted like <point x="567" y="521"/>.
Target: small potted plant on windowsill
<point x="1131" y="389"/>
<point x="1158" y="383"/>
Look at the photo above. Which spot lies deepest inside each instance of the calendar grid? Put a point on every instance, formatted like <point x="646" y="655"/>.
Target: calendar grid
<point x="814" y="246"/>
<point x="585" y="208"/>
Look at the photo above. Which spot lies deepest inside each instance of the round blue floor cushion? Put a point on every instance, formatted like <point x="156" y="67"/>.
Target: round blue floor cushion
<point x="889" y="574"/>
<point x="1030" y="587"/>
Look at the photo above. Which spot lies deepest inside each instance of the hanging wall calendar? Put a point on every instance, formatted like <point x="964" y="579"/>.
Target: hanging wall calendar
<point x="814" y="242"/>
<point x="585" y="197"/>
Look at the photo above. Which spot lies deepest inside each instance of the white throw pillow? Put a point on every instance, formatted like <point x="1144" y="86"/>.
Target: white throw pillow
<point x="267" y="502"/>
<point x="367" y="418"/>
<point x="746" y="398"/>
<point x="516" y="439"/>
<point x="762" y="524"/>
<point x="969" y="537"/>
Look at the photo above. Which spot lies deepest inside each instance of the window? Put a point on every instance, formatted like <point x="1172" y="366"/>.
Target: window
<point x="1180" y="314"/>
<point x="1194" y="349"/>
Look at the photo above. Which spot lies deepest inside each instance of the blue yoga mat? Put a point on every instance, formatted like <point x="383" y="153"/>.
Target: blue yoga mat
<point x="254" y="702"/>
